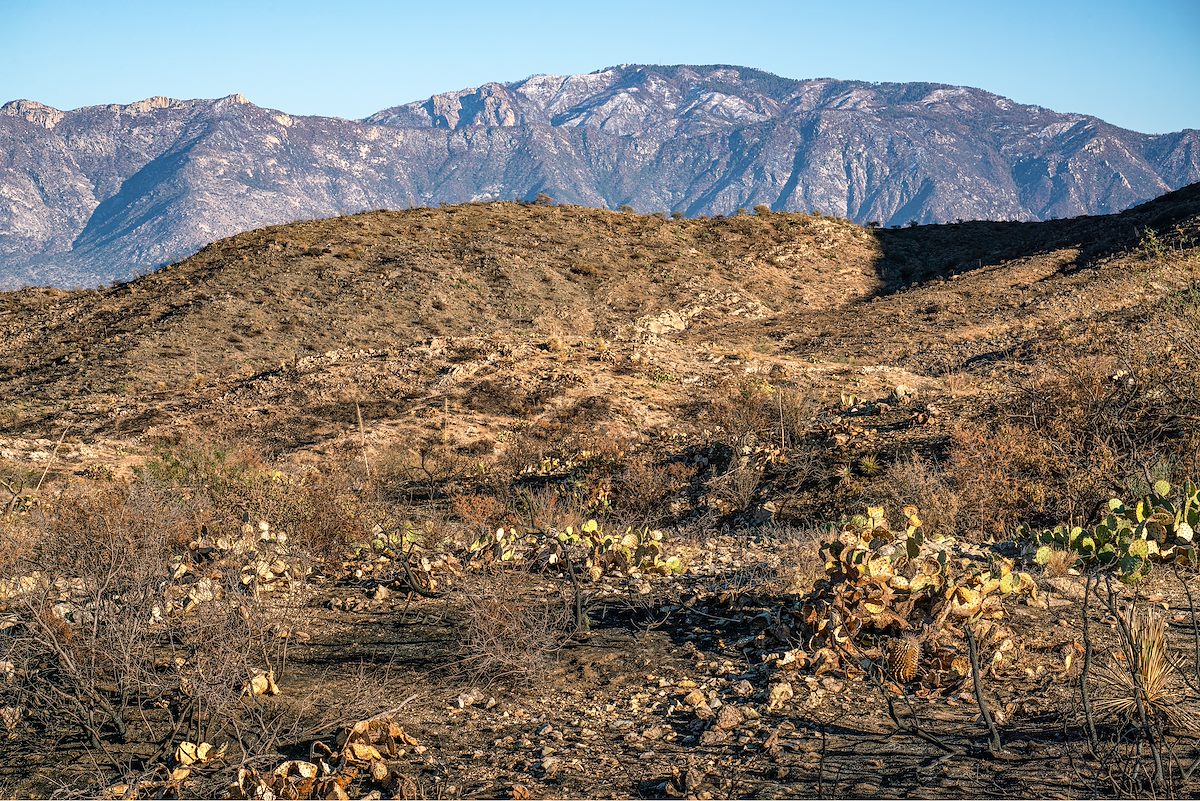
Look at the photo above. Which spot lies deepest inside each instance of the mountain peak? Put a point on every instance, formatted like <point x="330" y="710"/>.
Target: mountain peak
<point x="236" y="99"/>
<point x="150" y="104"/>
<point x="106" y="195"/>
<point x="33" y="111"/>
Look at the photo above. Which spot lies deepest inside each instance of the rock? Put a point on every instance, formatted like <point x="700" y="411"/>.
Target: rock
<point x="904" y="393"/>
<point x="551" y="766"/>
<point x="381" y="593"/>
<point x="669" y="322"/>
<point x="714" y="737"/>
<point x="1066" y="586"/>
<point x="779" y="694"/>
<point x="704" y="711"/>
<point x="695" y="698"/>
<point x="729" y="717"/>
<point x="832" y="685"/>
<point x="743" y="689"/>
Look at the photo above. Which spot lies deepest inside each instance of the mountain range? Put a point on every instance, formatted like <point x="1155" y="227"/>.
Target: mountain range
<point x="104" y="193"/>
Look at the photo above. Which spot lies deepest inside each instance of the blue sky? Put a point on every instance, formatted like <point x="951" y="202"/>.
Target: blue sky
<point x="1136" y="64"/>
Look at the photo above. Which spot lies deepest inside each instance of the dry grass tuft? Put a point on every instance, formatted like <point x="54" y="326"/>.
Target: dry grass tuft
<point x="1060" y="563"/>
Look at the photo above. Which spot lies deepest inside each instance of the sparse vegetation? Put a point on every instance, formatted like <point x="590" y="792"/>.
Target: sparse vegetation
<point x="528" y="499"/>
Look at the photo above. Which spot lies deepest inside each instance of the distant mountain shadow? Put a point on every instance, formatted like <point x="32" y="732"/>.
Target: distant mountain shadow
<point x="922" y="253"/>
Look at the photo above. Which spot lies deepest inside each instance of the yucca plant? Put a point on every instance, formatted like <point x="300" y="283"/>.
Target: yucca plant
<point x="1147" y="675"/>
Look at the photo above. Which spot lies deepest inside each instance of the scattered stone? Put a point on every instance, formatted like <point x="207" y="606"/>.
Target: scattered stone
<point x="381" y="593"/>
<point x="779" y="694"/>
<point x="471" y="697"/>
<point x="743" y="689"/>
<point x="551" y="766"/>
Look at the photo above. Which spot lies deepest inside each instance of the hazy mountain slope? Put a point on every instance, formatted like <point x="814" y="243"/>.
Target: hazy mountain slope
<point x="107" y="192"/>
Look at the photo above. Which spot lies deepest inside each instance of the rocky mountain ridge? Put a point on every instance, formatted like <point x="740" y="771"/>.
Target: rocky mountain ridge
<point x="107" y="192"/>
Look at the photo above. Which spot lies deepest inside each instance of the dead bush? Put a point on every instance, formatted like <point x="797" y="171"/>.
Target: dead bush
<point x="224" y="486"/>
<point x="800" y="560"/>
<point x="642" y="486"/>
<point x="734" y="490"/>
<point x="323" y="514"/>
<point x="782" y="415"/>
<point x="738" y="409"/>
<point x="18" y="537"/>
<point x="547" y="507"/>
<point x="1004" y="476"/>
<point x="122" y="652"/>
<point x="424" y="474"/>
<point x="513" y="626"/>
<point x="915" y="480"/>
<point x="1064" y="442"/>
<point x="479" y="512"/>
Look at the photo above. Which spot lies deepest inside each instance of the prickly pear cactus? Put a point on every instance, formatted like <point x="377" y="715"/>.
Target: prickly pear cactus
<point x="1160" y="527"/>
<point x="880" y="581"/>
<point x="598" y="550"/>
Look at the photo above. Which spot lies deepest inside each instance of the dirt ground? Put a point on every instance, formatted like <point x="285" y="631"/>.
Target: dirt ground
<point x="506" y="334"/>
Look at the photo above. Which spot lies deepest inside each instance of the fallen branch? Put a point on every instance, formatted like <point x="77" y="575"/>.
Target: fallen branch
<point x="976" y="673"/>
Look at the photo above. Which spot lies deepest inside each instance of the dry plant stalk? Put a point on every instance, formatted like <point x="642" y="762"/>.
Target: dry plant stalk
<point x="510" y="628"/>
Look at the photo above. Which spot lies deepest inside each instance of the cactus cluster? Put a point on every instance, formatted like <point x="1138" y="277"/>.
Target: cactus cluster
<point x="598" y="551"/>
<point x="260" y="557"/>
<point x="365" y="754"/>
<point x="882" y="581"/>
<point x="1158" y="528"/>
<point x="256" y="562"/>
